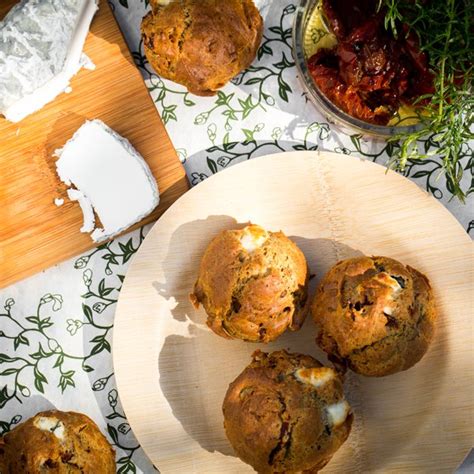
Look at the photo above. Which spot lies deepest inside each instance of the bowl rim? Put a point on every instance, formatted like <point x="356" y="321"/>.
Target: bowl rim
<point x="329" y="109"/>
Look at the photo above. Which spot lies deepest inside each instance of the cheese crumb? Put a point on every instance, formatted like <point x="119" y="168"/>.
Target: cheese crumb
<point x="337" y="413"/>
<point x="86" y="208"/>
<point x="59" y="201"/>
<point x="110" y="179"/>
<point x="395" y="287"/>
<point x="253" y="237"/>
<point x="51" y="424"/>
<point x="387" y="280"/>
<point x="317" y="376"/>
<point x="86" y="62"/>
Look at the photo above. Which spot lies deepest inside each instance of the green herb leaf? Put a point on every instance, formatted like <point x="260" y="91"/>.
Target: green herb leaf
<point x="444" y="28"/>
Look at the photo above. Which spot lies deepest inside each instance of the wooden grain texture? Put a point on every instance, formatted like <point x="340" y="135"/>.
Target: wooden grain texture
<point x="172" y="372"/>
<point x="34" y="232"/>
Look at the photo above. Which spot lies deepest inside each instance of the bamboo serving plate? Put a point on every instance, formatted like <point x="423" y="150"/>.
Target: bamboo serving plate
<point x="172" y="371"/>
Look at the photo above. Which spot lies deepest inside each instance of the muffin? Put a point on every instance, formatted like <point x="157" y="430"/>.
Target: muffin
<point x="286" y="413"/>
<point x="253" y="284"/>
<point x="59" y="442"/>
<point x="201" y="44"/>
<point x="375" y="315"/>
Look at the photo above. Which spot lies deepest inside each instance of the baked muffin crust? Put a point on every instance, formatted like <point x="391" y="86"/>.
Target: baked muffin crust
<point x="201" y="44"/>
<point x="56" y="442"/>
<point x="253" y="284"/>
<point x="286" y="413"/>
<point x="375" y="315"/>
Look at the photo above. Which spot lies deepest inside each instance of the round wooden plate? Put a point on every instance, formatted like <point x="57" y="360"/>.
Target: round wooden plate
<point x="172" y="372"/>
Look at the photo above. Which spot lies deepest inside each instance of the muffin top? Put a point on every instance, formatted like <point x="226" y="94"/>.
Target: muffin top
<point x="56" y="442"/>
<point x="252" y="284"/>
<point x="374" y="315"/>
<point x="286" y="413"/>
<point x="201" y="44"/>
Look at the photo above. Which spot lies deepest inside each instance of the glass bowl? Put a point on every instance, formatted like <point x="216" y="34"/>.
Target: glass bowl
<point x="332" y="113"/>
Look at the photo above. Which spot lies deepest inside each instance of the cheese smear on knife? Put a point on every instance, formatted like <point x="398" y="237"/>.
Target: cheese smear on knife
<point x="108" y="178"/>
<point x="41" y="44"/>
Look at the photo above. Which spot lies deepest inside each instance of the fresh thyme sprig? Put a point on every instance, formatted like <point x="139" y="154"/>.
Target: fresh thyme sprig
<point x="445" y="29"/>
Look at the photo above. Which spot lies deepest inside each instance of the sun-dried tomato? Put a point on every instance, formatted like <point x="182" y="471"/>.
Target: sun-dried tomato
<point x="369" y="74"/>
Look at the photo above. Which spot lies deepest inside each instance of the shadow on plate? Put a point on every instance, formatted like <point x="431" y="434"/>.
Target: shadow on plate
<point x="195" y="370"/>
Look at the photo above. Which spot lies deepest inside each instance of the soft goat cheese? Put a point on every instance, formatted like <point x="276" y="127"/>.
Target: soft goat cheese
<point x="253" y="237"/>
<point x="86" y="208"/>
<point x="51" y="424"/>
<point x="41" y="44"/>
<point x="337" y="413"/>
<point x="316" y="376"/>
<point x="109" y="177"/>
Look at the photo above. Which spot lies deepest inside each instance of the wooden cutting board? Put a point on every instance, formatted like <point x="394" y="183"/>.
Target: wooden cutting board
<point x="34" y="232"/>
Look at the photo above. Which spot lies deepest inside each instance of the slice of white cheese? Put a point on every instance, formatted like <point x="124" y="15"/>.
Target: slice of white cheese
<point x="41" y="44"/>
<point x="109" y="177"/>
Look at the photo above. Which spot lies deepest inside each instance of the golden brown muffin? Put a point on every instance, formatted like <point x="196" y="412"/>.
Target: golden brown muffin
<point x="201" y="44"/>
<point x="286" y="413"/>
<point x="56" y="442"/>
<point x="253" y="284"/>
<point x="375" y="315"/>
